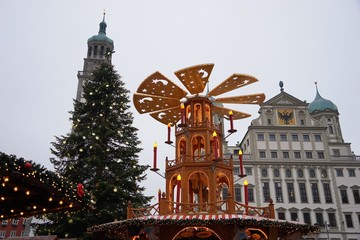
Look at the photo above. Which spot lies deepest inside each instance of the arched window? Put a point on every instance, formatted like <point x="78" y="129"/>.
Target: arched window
<point x="312" y="173"/>
<point x="276" y="173"/>
<point x="300" y="173"/>
<point x="324" y="174"/>
<point x="288" y="173"/>
<point x="264" y="173"/>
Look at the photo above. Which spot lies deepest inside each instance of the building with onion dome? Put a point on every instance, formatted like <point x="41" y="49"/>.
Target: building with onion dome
<point x="295" y="154"/>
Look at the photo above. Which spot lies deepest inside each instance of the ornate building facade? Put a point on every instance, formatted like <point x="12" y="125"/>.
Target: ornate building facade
<point x="295" y="154"/>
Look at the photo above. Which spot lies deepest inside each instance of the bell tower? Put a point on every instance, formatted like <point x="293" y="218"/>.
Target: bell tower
<point x="100" y="48"/>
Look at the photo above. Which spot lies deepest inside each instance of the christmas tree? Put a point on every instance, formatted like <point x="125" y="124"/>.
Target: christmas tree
<point x="100" y="154"/>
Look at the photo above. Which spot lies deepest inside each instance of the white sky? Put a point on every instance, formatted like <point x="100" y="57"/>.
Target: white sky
<point x="43" y="44"/>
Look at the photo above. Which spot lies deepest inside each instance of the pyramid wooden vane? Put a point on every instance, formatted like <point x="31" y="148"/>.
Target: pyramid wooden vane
<point x="161" y="98"/>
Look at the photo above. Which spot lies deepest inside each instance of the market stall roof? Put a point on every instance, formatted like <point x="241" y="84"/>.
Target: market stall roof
<point x="28" y="189"/>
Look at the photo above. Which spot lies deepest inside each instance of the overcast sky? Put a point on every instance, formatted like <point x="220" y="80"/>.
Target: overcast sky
<point x="43" y="44"/>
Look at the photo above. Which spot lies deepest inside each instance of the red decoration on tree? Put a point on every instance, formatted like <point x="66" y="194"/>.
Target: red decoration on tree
<point x="80" y="190"/>
<point x="28" y="165"/>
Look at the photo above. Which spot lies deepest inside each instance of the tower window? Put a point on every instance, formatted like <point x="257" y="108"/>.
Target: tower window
<point x="89" y="51"/>
<point x="102" y="52"/>
<point x="95" y="51"/>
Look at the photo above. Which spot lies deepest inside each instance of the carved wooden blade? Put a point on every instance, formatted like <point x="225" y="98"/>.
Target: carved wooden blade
<point x="246" y="99"/>
<point x="195" y="78"/>
<point x="225" y="113"/>
<point x="166" y="116"/>
<point x="158" y="85"/>
<point x="146" y="103"/>
<point x="234" y="81"/>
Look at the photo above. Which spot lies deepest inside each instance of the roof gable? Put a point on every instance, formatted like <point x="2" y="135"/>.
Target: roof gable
<point x="284" y="99"/>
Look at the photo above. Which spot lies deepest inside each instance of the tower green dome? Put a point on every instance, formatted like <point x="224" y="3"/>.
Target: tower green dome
<point x="101" y="36"/>
<point x="321" y="104"/>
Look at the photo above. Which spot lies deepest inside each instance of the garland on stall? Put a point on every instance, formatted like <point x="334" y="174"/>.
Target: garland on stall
<point x="11" y="166"/>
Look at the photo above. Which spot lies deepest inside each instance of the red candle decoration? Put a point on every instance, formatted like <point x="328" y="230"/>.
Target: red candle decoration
<point x="155" y="156"/>
<point x="246" y="193"/>
<point x="216" y="147"/>
<point x="168" y="135"/>
<point x="182" y="109"/>
<point x="241" y="163"/>
<point x="231" y="120"/>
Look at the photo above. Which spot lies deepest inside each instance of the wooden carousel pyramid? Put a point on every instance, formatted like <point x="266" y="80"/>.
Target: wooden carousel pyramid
<point x="192" y="206"/>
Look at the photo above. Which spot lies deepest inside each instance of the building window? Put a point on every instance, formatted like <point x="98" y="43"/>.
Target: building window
<point x="317" y="138"/>
<point x="102" y="52"/>
<point x="272" y="137"/>
<point x="15" y="221"/>
<point x="262" y="154"/>
<point x="225" y="192"/>
<point x="251" y="195"/>
<point x="278" y="192"/>
<point x="12" y="233"/>
<point x="332" y="219"/>
<point x="351" y="172"/>
<point x="348" y="220"/>
<point x="308" y="155"/>
<point x="344" y="197"/>
<point x="312" y="173"/>
<point x="238" y="193"/>
<point x="269" y="121"/>
<point x="315" y="192"/>
<point x="288" y="173"/>
<point x="294" y="216"/>
<point x="303" y="195"/>
<point x="248" y="171"/>
<point x="297" y="155"/>
<point x="319" y="218"/>
<point x="260" y="137"/>
<point x="283" y="137"/>
<point x="336" y="152"/>
<point x="266" y="191"/>
<point x="281" y="215"/>
<point x="327" y="193"/>
<point x="324" y="174"/>
<point x="291" y="192"/>
<point x="307" y="218"/>
<point x="274" y="155"/>
<point x="236" y="171"/>
<point x="276" y="173"/>
<point x="356" y="195"/>
<point x="294" y="137"/>
<point x="331" y="130"/>
<point x="264" y="173"/>
<point x="300" y="173"/>
<point x="4" y="222"/>
<point x="286" y="154"/>
<point x="2" y="234"/>
<point x="302" y="122"/>
<point x="320" y="155"/>
<point x="339" y="172"/>
<point x="95" y="51"/>
<point x="306" y="138"/>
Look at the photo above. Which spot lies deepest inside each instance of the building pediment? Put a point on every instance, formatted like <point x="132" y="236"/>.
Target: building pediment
<point x="284" y="99"/>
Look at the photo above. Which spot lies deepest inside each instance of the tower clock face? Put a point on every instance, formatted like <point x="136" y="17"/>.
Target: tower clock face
<point x="286" y="117"/>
